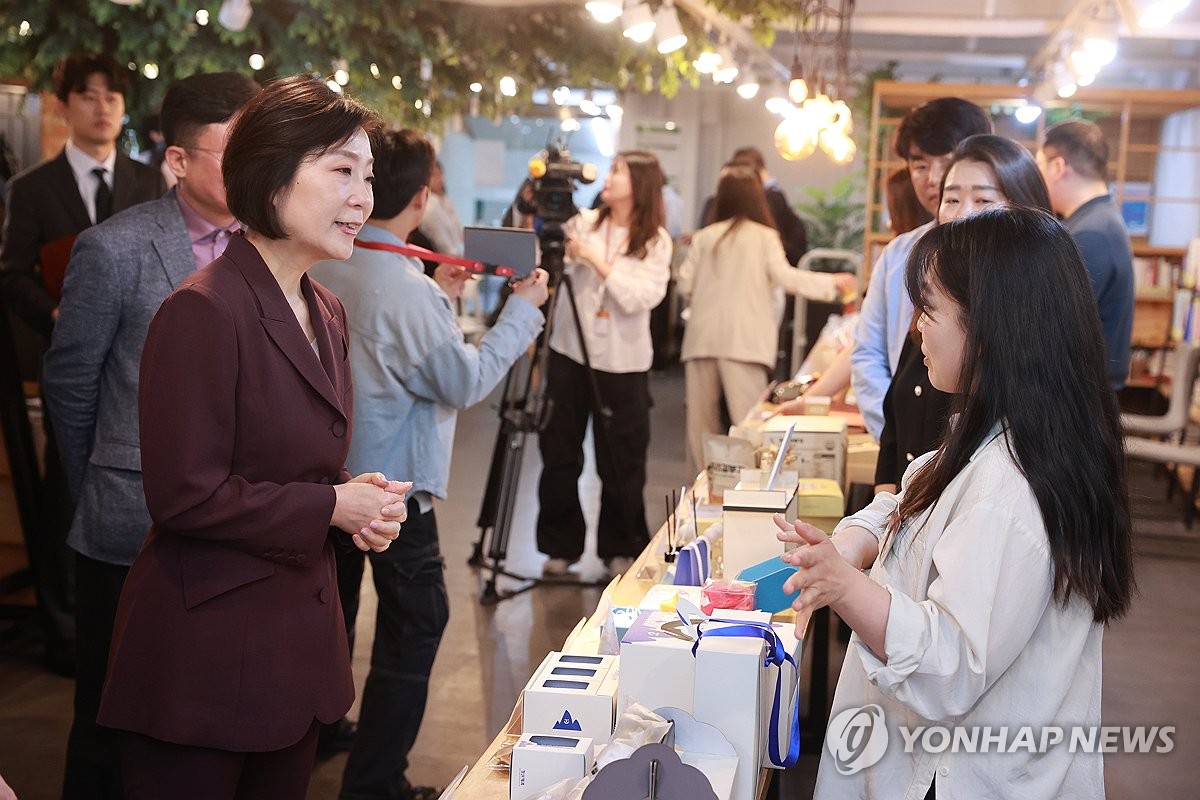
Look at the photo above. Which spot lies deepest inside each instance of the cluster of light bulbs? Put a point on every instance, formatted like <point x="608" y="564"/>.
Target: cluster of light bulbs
<point x="812" y="122"/>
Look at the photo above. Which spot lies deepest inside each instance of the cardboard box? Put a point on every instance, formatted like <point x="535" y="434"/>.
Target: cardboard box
<point x="820" y="502"/>
<point x="817" y="448"/>
<point x="541" y="760"/>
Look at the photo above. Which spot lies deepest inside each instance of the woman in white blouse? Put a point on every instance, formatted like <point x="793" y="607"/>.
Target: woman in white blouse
<point x="730" y="277"/>
<point x="995" y="569"/>
<point x="619" y="262"/>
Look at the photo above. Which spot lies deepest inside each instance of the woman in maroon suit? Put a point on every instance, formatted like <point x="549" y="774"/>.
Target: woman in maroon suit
<point x="229" y="647"/>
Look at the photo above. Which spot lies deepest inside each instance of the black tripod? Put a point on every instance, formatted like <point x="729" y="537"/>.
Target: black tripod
<point x="524" y="410"/>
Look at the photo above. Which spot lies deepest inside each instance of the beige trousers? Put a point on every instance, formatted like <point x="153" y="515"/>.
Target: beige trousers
<point x="741" y="383"/>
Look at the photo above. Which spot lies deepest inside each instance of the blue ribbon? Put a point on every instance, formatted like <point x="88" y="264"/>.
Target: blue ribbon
<point x="777" y="655"/>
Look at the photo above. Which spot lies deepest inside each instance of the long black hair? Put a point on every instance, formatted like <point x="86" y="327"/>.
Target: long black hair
<point x="1033" y="362"/>
<point x="1017" y="175"/>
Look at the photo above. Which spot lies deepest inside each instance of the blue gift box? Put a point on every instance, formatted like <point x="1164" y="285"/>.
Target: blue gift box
<point x="768" y="578"/>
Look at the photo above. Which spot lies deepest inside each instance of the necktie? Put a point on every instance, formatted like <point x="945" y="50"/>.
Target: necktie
<point x="103" y="195"/>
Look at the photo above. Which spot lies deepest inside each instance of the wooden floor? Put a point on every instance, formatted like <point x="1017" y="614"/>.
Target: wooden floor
<point x="1150" y="667"/>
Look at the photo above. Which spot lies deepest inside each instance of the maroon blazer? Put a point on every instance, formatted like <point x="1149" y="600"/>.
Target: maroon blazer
<point x="229" y="632"/>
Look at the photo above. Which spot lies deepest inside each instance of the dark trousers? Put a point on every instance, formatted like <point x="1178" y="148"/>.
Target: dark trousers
<point x="92" y="769"/>
<point x="621" y="443"/>
<point x="154" y="770"/>
<point x="413" y="611"/>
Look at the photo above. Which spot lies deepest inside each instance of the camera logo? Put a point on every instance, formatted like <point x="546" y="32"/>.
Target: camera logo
<point x="857" y="738"/>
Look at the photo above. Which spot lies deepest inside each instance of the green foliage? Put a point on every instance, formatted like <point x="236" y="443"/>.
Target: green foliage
<point x="834" y="218"/>
<point x="541" y="47"/>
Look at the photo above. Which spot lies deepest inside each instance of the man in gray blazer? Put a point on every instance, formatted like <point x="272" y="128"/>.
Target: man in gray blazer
<point x="119" y="274"/>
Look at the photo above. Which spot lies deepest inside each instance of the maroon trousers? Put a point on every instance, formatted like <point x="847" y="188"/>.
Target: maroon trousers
<point x="152" y="769"/>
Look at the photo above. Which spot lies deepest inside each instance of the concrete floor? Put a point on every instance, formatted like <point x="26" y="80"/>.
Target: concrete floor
<point x="489" y="651"/>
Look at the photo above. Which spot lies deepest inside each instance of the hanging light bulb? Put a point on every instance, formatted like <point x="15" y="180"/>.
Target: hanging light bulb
<point x="820" y="110"/>
<point x="728" y="71"/>
<point x="837" y="145"/>
<point x="797" y="86"/>
<point x="202" y="17"/>
<point x="638" y="22"/>
<point x="257" y="61"/>
<point x="796" y="136"/>
<point x="707" y="62"/>
<point x="667" y="29"/>
<point x="235" y="14"/>
<point x="778" y="104"/>
<point x="748" y="89"/>
<point x="841" y="118"/>
<point x="508" y="86"/>
<point x="1027" y="113"/>
<point x="603" y="10"/>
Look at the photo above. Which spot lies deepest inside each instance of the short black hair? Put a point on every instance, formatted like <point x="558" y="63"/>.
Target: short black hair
<point x="290" y="121"/>
<point x="71" y="74"/>
<point x="751" y="156"/>
<point x="1082" y="144"/>
<point x="937" y="127"/>
<point x="199" y="100"/>
<point x="403" y="166"/>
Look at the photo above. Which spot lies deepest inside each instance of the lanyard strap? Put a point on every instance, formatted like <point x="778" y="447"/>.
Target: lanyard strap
<point x="429" y="255"/>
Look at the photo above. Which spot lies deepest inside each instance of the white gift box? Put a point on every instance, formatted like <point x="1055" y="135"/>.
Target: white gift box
<point x="571" y="705"/>
<point x="657" y="666"/>
<point x="541" y="760"/>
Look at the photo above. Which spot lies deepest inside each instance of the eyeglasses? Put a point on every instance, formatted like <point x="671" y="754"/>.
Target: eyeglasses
<point x="191" y="148"/>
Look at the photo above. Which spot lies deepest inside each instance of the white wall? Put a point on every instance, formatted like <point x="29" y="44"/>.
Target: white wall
<point x="709" y="124"/>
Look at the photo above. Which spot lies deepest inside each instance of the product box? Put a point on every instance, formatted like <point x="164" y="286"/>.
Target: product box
<point x="557" y="702"/>
<point x="819" y="502"/>
<point x="541" y="760"/>
<point x="768" y="578"/>
<point x="730" y="694"/>
<point x="749" y="530"/>
<point x="817" y="448"/>
<point x="657" y="665"/>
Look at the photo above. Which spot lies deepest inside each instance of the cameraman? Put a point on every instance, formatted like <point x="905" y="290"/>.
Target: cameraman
<point x="619" y="262"/>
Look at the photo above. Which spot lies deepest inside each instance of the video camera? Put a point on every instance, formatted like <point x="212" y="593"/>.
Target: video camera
<point x="554" y="174"/>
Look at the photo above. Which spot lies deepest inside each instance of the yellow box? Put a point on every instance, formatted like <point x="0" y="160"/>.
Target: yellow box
<point x="819" y="502"/>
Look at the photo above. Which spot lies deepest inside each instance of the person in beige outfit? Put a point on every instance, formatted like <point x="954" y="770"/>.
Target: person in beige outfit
<point x="733" y="267"/>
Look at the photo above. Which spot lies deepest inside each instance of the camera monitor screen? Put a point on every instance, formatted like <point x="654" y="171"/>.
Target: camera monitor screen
<point x="515" y="248"/>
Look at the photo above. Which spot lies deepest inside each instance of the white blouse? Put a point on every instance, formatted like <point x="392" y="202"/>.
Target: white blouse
<point x="615" y="311"/>
<point x="974" y="638"/>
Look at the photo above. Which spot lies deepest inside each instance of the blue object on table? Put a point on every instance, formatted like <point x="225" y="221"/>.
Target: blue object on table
<point x="768" y="577"/>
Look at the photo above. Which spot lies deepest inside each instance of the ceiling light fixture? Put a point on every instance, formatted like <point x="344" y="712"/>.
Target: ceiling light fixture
<point x="638" y="22"/>
<point x="728" y="71"/>
<point x="667" y="29"/>
<point x="604" y="11"/>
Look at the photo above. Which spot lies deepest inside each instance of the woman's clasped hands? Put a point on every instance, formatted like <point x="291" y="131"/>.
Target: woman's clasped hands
<point x="371" y="509"/>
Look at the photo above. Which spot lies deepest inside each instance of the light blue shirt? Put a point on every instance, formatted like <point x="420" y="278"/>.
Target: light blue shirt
<point x="411" y="368"/>
<point x="883" y="324"/>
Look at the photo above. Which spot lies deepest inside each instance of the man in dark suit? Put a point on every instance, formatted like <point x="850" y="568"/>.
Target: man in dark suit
<point x="120" y="272"/>
<point x="47" y="205"/>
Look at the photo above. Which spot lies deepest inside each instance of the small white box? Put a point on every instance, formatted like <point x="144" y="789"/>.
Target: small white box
<point x="571" y="705"/>
<point x="541" y="760"/>
<point x="749" y="532"/>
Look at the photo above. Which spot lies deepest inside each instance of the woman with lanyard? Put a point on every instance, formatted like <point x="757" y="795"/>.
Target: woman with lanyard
<point x="995" y="569"/>
<point x="618" y="262"/>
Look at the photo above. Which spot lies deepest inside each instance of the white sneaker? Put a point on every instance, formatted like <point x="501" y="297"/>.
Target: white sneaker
<point x="556" y="566"/>
<point x="618" y="565"/>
